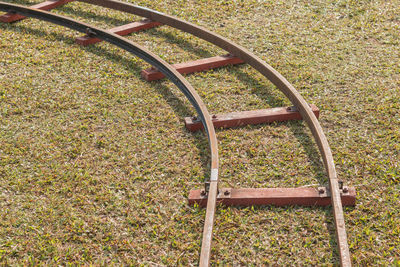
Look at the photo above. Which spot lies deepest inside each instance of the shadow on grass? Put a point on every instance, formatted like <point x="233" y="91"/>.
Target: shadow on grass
<point x="38" y="32"/>
<point x="20" y="2"/>
<point x="89" y="15"/>
<point x="184" y="44"/>
<point x="69" y="10"/>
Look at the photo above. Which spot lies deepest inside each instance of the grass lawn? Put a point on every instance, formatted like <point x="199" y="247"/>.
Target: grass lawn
<point x="96" y="164"/>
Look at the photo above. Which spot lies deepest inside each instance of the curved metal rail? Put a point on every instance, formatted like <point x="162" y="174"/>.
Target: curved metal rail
<point x="168" y="71"/>
<point x="281" y="83"/>
<point x="278" y="80"/>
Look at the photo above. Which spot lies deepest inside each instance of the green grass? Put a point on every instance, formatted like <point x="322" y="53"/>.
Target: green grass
<point x="96" y="165"/>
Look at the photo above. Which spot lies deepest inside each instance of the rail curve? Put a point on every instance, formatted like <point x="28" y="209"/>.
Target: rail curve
<point x="278" y="80"/>
<point x="265" y="69"/>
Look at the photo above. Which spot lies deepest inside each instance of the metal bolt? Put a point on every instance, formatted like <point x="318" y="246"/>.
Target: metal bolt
<point x="90" y="32"/>
<point x="226" y="192"/>
<point x="203" y="192"/>
<point x="214" y="116"/>
<point x="340" y="184"/>
<point x="321" y="191"/>
<point x="345" y="190"/>
<point x="194" y="118"/>
<point x="291" y="108"/>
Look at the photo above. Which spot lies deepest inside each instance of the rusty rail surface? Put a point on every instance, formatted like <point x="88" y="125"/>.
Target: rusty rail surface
<point x="269" y="72"/>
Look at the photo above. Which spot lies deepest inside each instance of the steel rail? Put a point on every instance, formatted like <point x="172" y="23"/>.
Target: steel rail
<point x="281" y="83"/>
<point x="169" y="72"/>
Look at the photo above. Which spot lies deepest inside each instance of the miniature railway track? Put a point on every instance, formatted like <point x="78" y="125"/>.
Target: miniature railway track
<point x="238" y="54"/>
